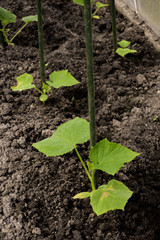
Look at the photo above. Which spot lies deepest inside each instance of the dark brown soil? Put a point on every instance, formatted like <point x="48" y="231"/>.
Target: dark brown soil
<point x="36" y="192"/>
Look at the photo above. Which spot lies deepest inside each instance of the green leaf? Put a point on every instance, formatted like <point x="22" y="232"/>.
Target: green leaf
<point x="29" y="19"/>
<point x="82" y="195"/>
<point x="7" y="16"/>
<point x="110" y="157"/>
<point x="101" y="5"/>
<point x="108" y="197"/>
<point x="124" y="51"/>
<point x="79" y="2"/>
<point x="61" y="79"/>
<point x="65" y="138"/>
<point x="43" y="97"/>
<point x="95" y="16"/>
<point x="90" y="167"/>
<point x="45" y="88"/>
<point x="124" y="43"/>
<point x="24" y="82"/>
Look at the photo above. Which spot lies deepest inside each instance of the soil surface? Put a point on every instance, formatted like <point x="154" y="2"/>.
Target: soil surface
<point x="36" y="192"/>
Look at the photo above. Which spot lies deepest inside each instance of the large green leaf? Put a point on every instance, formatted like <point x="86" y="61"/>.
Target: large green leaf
<point x="124" y="51"/>
<point x="7" y="16"/>
<point x="79" y="2"/>
<point x="61" y="79"/>
<point x="65" y="138"/>
<point x="108" y="197"/>
<point x="24" y="82"/>
<point x="110" y="157"/>
<point x="28" y="19"/>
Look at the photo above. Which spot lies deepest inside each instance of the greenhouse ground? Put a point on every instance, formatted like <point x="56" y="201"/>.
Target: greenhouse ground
<point x="36" y="192"/>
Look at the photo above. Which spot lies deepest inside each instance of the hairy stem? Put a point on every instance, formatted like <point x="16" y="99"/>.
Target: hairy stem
<point x="113" y="15"/>
<point x="40" y="37"/>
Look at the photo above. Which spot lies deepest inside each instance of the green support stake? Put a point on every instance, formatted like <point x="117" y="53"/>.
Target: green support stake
<point x="40" y="38"/>
<point x="90" y="78"/>
<point x="90" y="74"/>
<point x="114" y="31"/>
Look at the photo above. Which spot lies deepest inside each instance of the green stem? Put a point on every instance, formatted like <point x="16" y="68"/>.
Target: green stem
<point x="40" y="37"/>
<point x="90" y="75"/>
<point x="83" y="164"/>
<point x="86" y="170"/>
<point x="18" y="32"/>
<point x="2" y="38"/>
<point x="5" y="36"/>
<point x="113" y="15"/>
<point x="38" y="90"/>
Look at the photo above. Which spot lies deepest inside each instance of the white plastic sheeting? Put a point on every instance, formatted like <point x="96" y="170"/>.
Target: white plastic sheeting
<point x="149" y="10"/>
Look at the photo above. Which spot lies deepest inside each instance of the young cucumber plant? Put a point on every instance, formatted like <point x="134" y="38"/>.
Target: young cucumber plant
<point x="99" y="5"/>
<point x="124" y="50"/>
<point x="57" y="79"/>
<point x="7" y="17"/>
<point x="105" y="156"/>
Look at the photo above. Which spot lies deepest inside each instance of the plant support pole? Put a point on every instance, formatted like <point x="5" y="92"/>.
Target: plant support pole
<point x="90" y="77"/>
<point x="113" y="16"/>
<point x="40" y="38"/>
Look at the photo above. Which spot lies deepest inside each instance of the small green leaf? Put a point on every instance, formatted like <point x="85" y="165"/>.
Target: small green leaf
<point x="65" y="138"/>
<point x="110" y="157"/>
<point x="101" y="5"/>
<point x="24" y="82"/>
<point x="108" y="197"/>
<point x="29" y="19"/>
<point x="124" y="51"/>
<point x="46" y="88"/>
<point x="43" y="97"/>
<point x="7" y="16"/>
<point x="124" y="43"/>
<point x="79" y="2"/>
<point x="61" y="79"/>
<point x="82" y="195"/>
<point x="95" y="16"/>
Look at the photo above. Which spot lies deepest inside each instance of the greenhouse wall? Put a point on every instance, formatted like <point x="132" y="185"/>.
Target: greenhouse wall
<point x="149" y="10"/>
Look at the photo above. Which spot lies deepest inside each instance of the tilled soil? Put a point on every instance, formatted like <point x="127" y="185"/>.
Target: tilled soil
<point x="36" y="192"/>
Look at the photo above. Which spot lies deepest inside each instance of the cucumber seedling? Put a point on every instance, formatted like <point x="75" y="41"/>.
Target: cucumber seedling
<point x="7" y="17"/>
<point x="124" y="50"/>
<point x="57" y="79"/>
<point x="105" y="156"/>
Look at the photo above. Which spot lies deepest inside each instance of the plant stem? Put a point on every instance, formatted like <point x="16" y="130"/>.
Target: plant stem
<point x="2" y="36"/>
<point x="38" y="90"/>
<point x="18" y="32"/>
<point x="86" y="170"/>
<point x="40" y="37"/>
<point x="90" y="75"/>
<point x="113" y="15"/>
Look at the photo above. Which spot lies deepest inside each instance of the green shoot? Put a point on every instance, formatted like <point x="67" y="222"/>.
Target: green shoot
<point x="99" y="5"/>
<point x="105" y="156"/>
<point x="124" y="50"/>
<point x="7" y="17"/>
<point x="57" y="79"/>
